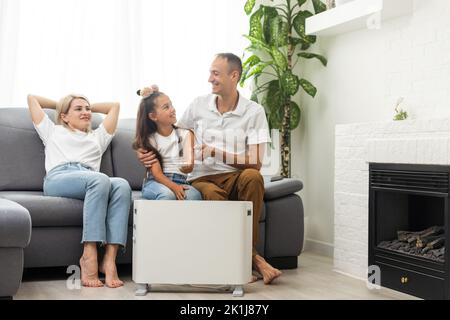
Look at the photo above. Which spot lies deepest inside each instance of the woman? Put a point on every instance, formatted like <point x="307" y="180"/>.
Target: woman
<point x="73" y="154"/>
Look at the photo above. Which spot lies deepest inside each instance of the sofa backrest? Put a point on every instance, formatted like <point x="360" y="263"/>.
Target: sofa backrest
<point x="22" y="166"/>
<point x="125" y="162"/>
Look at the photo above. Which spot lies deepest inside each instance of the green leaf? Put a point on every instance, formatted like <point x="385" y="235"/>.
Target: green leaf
<point x="251" y="61"/>
<point x="319" y="6"/>
<point x="308" y="55"/>
<point x="254" y="97"/>
<point x="269" y="13"/>
<point x="258" y="69"/>
<point x="247" y="65"/>
<point x="255" y="25"/>
<point x="273" y="102"/>
<point x="295" y="115"/>
<point x="301" y="2"/>
<point x="279" y="58"/>
<point x="299" y="26"/>
<point x="249" y="5"/>
<point x="294" y="41"/>
<point x="308" y="87"/>
<point x="274" y="98"/>
<point x="258" y="44"/>
<point x="290" y="83"/>
<point x="305" y="46"/>
<point x="279" y="32"/>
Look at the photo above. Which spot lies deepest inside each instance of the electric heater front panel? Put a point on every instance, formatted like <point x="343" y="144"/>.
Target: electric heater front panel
<point x="192" y="242"/>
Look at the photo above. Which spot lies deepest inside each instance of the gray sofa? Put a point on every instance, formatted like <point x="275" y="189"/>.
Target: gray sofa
<point x="15" y="233"/>
<point x="57" y="222"/>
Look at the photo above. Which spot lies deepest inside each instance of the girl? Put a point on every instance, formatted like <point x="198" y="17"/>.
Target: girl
<point x="173" y="147"/>
<point x="72" y="160"/>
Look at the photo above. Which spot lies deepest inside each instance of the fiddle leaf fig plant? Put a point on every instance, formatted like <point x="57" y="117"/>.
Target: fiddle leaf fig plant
<point x="277" y="41"/>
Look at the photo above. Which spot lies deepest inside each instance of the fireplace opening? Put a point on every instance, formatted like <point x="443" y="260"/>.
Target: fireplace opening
<point x="408" y="227"/>
<point x="411" y="224"/>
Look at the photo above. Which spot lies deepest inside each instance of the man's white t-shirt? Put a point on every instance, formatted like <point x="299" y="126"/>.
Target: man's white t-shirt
<point x="169" y="147"/>
<point x="63" y="145"/>
<point x="231" y="132"/>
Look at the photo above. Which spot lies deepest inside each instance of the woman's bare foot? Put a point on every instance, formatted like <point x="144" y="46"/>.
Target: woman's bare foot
<point x="268" y="272"/>
<point x="89" y="273"/>
<point x="108" y="268"/>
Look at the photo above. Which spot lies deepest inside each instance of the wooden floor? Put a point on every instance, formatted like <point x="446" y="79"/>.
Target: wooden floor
<point x="314" y="279"/>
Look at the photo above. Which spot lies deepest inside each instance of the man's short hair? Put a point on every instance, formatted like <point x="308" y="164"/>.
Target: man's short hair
<point x="234" y="62"/>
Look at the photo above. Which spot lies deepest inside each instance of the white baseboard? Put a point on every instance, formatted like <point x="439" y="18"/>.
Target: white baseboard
<point x="319" y="247"/>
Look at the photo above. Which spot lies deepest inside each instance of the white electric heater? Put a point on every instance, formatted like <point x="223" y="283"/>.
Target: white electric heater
<point x="193" y="243"/>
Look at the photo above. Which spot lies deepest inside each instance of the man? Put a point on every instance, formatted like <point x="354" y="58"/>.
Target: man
<point x="232" y="132"/>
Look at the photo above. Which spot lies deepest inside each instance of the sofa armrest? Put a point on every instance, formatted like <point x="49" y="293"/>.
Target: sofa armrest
<point x="15" y="225"/>
<point x="279" y="189"/>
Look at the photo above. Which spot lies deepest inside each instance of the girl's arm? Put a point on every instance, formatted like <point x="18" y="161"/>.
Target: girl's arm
<point x="111" y="109"/>
<point x="159" y="176"/>
<point x="188" y="154"/>
<point x="35" y="105"/>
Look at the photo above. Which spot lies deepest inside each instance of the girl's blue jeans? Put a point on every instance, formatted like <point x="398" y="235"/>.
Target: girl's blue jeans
<point x="153" y="190"/>
<point x="106" y="201"/>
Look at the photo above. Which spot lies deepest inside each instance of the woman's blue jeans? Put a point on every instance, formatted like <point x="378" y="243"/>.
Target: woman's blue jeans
<point x="153" y="190"/>
<point x="106" y="201"/>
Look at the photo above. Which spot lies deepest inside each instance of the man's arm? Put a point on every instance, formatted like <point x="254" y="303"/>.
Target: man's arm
<point x="188" y="154"/>
<point x="251" y="159"/>
<point x="147" y="158"/>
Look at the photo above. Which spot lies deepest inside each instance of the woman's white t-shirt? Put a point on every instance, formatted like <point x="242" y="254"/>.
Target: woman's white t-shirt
<point x="169" y="147"/>
<point x="63" y="145"/>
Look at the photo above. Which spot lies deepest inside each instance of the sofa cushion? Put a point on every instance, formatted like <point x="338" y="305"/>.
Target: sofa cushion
<point x="22" y="158"/>
<point x="59" y="212"/>
<point x="125" y="162"/>
<point x="282" y="188"/>
<point x="15" y="225"/>
<point x="48" y="211"/>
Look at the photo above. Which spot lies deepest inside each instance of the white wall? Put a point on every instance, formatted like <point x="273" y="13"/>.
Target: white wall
<point x="368" y="70"/>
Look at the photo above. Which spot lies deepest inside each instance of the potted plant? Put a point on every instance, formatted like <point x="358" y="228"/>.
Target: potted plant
<point x="277" y="40"/>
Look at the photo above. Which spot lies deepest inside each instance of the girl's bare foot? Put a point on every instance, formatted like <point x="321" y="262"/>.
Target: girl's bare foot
<point x="89" y="273"/>
<point x="108" y="268"/>
<point x="268" y="272"/>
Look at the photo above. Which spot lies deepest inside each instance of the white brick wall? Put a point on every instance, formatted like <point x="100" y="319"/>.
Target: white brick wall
<point x="367" y="71"/>
<point x="418" y="141"/>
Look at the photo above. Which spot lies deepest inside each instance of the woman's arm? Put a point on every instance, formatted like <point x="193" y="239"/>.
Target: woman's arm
<point x="35" y="105"/>
<point x="188" y="154"/>
<point x="159" y="176"/>
<point x="111" y="109"/>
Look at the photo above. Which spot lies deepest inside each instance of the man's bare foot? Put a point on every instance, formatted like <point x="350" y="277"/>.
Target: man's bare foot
<point x="253" y="279"/>
<point x="268" y="272"/>
<point x="108" y="268"/>
<point x="255" y="276"/>
<point x="89" y="273"/>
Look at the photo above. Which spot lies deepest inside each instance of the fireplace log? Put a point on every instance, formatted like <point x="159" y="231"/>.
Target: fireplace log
<point x="412" y="236"/>
<point x="423" y="241"/>
<point x="436" y="244"/>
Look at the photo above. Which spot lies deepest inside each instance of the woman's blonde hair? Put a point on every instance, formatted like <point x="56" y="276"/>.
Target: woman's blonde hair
<point x="63" y="106"/>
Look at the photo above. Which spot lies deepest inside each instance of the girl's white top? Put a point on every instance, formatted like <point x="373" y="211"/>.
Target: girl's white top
<point x="169" y="147"/>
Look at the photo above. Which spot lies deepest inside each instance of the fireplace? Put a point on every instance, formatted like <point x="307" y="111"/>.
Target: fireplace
<point x="408" y="227"/>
